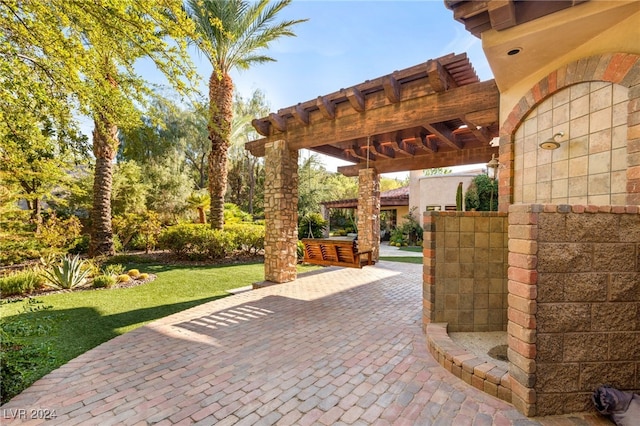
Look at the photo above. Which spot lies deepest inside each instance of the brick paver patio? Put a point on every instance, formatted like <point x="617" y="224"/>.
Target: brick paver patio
<point x="340" y="346"/>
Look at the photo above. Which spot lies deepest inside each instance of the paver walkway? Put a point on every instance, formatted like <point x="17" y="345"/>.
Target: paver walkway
<point x="340" y="346"/>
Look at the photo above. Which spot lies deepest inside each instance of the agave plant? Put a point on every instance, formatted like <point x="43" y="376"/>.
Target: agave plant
<point x="69" y="273"/>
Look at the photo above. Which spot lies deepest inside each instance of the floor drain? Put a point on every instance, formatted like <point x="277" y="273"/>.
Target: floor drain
<point x="499" y="352"/>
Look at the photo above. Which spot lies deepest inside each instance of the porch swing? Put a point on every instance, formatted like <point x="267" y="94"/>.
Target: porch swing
<point x="334" y="252"/>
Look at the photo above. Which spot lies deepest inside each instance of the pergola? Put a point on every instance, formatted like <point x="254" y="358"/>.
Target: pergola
<point x="434" y="114"/>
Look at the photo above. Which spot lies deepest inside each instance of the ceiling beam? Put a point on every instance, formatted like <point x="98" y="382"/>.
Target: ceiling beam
<point x="502" y="14"/>
<point x="444" y="134"/>
<point x="326" y="107"/>
<point x="391" y="89"/>
<point x="380" y="150"/>
<point x="481" y="133"/>
<point x="301" y="115"/>
<point x="427" y="161"/>
<point x="439" y="78"/>
<point x="484" y="118"/>
<point x="278" y="123"/>
<point x="356" y="99"/>
<point x="394" y="145"/>
<point x="261" y="126"/>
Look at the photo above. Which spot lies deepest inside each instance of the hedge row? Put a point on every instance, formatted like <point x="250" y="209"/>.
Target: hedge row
<point x="197" y="241"/>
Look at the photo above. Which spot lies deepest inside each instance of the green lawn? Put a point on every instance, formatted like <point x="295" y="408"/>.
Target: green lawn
<point x="417" y="249"/>
<point x="69" y="324"/>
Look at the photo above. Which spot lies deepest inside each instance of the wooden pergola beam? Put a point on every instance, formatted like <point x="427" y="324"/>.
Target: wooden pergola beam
<point x="444" y="134"/>
<point x="502" y="14"/>
<point x="427" y="161"/>
<point x="391" y="89"/>
<point x="326" y="107"/>
<point x="278" y="123"/>
<point x="390" y="118"/>
<point x="439" y="77"/>
<point x="356" y="99"/>
<point x="301" y="115"/>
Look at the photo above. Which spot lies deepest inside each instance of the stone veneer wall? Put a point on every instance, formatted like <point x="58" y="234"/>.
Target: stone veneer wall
<point x="281" y="212"/>
<point x="465" y="270"/>
<point x="369" y="211"/>
<point x="574" y="304"/>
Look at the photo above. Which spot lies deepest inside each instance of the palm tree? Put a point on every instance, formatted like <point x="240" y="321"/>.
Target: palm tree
<point x="232" y="34"/>
<point x="199" y="202"/>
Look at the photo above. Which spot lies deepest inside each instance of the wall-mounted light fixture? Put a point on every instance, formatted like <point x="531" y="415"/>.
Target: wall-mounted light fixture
<point x="553" y="142"/>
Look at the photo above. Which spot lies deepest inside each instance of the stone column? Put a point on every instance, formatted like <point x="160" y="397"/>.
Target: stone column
<point x="281" y="212"/>
<point x="369" y="211"/>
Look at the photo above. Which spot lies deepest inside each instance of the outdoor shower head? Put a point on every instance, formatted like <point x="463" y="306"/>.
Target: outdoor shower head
<point x="553" y="142"/>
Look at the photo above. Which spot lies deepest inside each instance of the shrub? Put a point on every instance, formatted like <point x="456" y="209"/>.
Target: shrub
<point x="143" y="276"/>
<point x="197" y="241"/>
<point x="234" y="214"/>
<point x="21" y="360"/>
<point x="215" y="244"/>
<point x="178" y="238"/>
<point x="80" y="245"/>
<point x="312" y="222"/>
<point x="482" y="194"/>
<point x="248" y="237"/>
<point x="133" y="273"/>
<point x="123" y="278"/>
<point x="69" y="273"/>
<point x="21" y="282"/>
<point x="114" y="269"/>
<point x="104" y="281"/>
<point x="60" y="233"/>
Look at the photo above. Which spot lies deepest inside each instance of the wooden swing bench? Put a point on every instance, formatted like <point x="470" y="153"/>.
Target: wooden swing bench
<point x="335" y="253"/>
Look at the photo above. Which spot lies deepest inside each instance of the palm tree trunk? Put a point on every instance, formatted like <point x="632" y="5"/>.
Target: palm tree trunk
<point x="105" y="144"/>
<point x="221" y="114"/>
<point x="252" y="183"/>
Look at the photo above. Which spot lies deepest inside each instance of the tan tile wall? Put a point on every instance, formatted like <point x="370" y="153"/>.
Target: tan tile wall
<point x="590" y="167"/>
<point x="574" y="304"/>
<point x="465" y="270"/>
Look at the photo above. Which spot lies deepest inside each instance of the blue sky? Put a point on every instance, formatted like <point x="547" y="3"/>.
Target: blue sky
<point x="347" y="42"/>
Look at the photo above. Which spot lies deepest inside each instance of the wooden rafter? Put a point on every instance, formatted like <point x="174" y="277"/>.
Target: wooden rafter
<point x="326" y="107"/>
<point x="427" y="161"/>
<point x="301" y="115"/>
<point x="278" y="122"/>
<point x="445" y="134"/>
<point x="355" y="98"/>
<point x="439" y="77"/>
<point x="502" y="14"/>
<point x="391" y="89"/>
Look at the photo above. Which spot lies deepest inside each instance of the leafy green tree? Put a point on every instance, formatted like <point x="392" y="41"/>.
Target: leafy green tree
<point x="130" y="191"/>
<point x="482" y="194"/>
<point x="73" y="57"/>
<point x="169" y="186"/>
<point x="437" y="171"/>
<point x="233" y="34"/>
